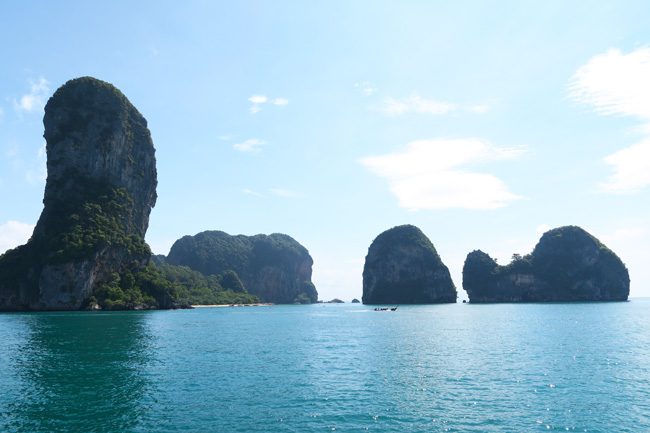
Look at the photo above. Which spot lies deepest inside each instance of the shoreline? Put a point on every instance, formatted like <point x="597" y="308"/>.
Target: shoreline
<point x="258" y="304"/>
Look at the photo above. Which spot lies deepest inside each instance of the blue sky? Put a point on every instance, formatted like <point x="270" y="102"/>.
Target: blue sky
<point x="483" y="123"/>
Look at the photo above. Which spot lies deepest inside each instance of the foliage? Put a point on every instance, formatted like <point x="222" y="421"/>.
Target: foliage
<point x="88" y="220"/>
<point x="165" y="286"/>
<point x="230" y="281"/>
<point x="385" y="244"/>
<point x="218" y="253"/>
<point x="567" y="264"/>
<point x="96" y="217"/>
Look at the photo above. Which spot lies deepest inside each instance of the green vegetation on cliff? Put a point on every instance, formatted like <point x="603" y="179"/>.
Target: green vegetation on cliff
<point x="276" y="268"/>
<point x="403" y="267"/>
<point x="160" y="285"/>
<point x="101" y="185"/>
<point x="568" y="264"/>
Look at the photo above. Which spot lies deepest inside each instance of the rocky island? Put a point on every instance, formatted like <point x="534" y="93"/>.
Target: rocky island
<point x="100" y="189"/>
<point x="567" y="264"/>
<point x="403" y="267"/>
<point x="275" y="268"/>
<point x="88" y="250"/>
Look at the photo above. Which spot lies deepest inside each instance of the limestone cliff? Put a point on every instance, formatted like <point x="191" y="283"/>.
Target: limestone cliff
<point x="403" y="267"/>
<point x="100" y="189"/>
<point x="568" y="264"/>
<point x="276" y="268"/>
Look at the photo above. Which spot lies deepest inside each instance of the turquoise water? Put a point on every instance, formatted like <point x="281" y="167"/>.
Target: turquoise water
<point x="323" y="368"/>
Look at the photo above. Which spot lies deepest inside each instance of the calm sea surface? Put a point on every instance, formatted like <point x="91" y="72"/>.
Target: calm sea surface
<point x="323" y="368"/>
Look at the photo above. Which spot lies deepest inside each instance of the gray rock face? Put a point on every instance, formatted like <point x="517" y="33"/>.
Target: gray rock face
<point x="403" y="267"/>
<point x="568" y="264"/>
<point x="276" y="268"/>
<point x="100" y="189"/>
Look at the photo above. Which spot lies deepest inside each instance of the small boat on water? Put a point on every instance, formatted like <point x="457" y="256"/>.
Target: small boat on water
<point x="385" y="308"/>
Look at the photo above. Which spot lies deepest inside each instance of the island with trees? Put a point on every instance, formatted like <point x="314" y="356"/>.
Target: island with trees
<point x="403" y="267"/>
<point x="567" y="264"/>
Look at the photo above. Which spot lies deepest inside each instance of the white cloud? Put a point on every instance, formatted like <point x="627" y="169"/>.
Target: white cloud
<point x="618" y="84"/>
<point x="284" y="193"/>
<point x="14" y="233"/>
<point x="252" y="145"/>
<point x="631" y="167"/>
<point x="2" y="113"/>
<point x="366" y="88"/>
<point x="280" y="101"/>
<point x="615" y="83"/>
<point x="35" y="99"/>
<point x="258" y="100"/>
<point x="433" y="174"/>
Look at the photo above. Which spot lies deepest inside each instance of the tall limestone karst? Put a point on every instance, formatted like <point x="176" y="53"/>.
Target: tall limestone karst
<point x="567" y="264"/>
<point x="101" y="186"/>
<point x="403" y="267"/>
<point x="276" y="268"/>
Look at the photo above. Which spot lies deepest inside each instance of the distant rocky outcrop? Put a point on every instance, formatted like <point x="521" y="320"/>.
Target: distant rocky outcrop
<point x="335" y="301"/>
<point x="355" y="301"/>
<point x="403" y="267"/>
<point x="100" y="189"/>
<point x="276" y="268"/>
<point x="568" y="264"/>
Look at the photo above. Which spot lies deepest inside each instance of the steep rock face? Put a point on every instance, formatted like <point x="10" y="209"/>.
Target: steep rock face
<point x="568" y="264"/>
<point x="276" y="268"/>
<point x="100" y="189"/>
<point x="403" y="267"/>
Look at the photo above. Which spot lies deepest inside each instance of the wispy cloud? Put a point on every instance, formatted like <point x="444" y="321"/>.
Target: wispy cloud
<point x="252" y="145"/>
<point x="284" y="193"/>
<point x="433" y="174"/>
<point x="631" y="167"/>
<point x="615" y="83"/>
<point x="35" y="99"/>
<point x="416" y="104"/>
<point x="627" y="233"/>
<point x="2" y="113"/>
<point x="258" y="100"/>
<point x="478" y="108"/>
<point x="14" y="233"/>
<point x="280" y="101"/>
<point x="366" y="88"/>
<point x="249" y="191"/>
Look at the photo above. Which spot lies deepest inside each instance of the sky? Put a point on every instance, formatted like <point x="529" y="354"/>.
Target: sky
<point x="482" y="123"/>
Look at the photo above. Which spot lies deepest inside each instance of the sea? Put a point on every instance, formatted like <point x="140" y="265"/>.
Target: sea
<point x="582" y="367"/>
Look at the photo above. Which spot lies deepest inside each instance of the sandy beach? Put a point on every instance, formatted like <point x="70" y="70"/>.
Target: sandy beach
<point x="232" y="305"/>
